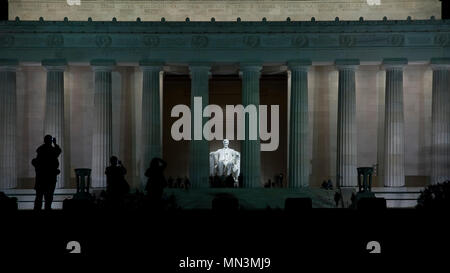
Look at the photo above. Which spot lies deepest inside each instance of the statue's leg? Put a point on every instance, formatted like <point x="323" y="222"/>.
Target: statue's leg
<point x="220" y="168"/>
<point x="211" y="165"/>
<point x="235" y="175"/>
<point x="228" y="168"/>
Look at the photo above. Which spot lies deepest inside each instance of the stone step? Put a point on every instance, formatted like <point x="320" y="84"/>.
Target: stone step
<point x="25" y="197"/>
<point x="397" y="189"/>
<point x="30" y="198"/>
<point x="398" y="196"/>
<point x="395" y="197"/>
<point x="30" y="205"/>
<point x="15" y="192"/>
<point x="401" y="203"/>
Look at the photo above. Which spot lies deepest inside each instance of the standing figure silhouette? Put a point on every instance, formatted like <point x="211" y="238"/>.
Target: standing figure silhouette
<point x="116" y="185"/>
<point x="46" y="165"/>
<point x="156" y="180"/>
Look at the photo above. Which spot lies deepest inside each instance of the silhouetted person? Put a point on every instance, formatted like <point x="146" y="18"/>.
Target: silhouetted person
<point x="353" y="199"/>
<point x="116" y="185"/>
<point x="156" y="181"/>
<point x="46" y="165"/>
<point x="187" y="183"/>
<point x="280" y="180"/>
<point x="170" y="182"/>
<point x="329" y="184"/>
<point x="178" y="183"/>
<point x="337" y="198"/>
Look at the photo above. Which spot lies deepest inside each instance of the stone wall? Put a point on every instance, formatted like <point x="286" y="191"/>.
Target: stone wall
<point x="323" y="87"/>
<point x="225" y="10"/>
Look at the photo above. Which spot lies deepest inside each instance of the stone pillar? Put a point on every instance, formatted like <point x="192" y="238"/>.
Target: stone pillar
<point x="102" y="130"/>
<point x="199" y="149"/>
<point x="394" y="169"/>
<point x="346" y="157"/>
<point x="440" y="121"/>
<point x="8" y="117"/>
<point x="251" y="149"/>
<point x="151" y="145"/>
<point x="298" y="125"/>
<point x="54" y="108"/>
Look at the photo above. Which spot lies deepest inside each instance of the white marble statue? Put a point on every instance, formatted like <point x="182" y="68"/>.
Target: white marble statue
<point x="225" y="161"/>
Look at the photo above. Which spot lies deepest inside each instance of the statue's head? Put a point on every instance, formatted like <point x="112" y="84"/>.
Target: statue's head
<point x="225" y="143"/>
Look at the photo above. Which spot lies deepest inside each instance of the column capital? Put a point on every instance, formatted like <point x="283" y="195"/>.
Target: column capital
<point x="302" y="65"/>
<point x="199" y="66"/>
<point x="103" y="65"/>
<point x="8" y="65"/>
<point x="394" y="63"/>
<point x="250" y="67"/>
<point x="440" y="63"/>
<point x="54" y="64"/>
<point x="151" y="65"/>
<point x="351" y="64"/>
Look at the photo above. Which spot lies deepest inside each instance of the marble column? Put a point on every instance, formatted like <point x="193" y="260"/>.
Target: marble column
<point x="298" y="125"/>
<point x="54" y="108"/>
<point x="346" y="157"/>
<point x="102" y="130"/>
<point x="8" y="123"/>
<point x="394" y="150"/>
<point x="440" y="121"/>
<point x="199" y="149"/>
<point x="151" y="145"/>
<point x="250" y="149"/>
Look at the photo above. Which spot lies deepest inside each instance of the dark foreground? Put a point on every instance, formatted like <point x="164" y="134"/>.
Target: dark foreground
<point x="289" y="239"/>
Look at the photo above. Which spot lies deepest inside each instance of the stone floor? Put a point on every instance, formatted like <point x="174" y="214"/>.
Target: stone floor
<point x="260" y="198"/>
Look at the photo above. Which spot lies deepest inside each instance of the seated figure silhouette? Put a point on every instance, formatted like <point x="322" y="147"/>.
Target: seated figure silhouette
<point x="116" y="185"/>
<point x="156" y="181"/>
<point x="46" y="165"/>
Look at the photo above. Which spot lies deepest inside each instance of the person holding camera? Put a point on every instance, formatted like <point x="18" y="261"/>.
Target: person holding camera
<point x="156" y="181"/>
<point x="46" y="165"/>
<point x="116" y="185"/>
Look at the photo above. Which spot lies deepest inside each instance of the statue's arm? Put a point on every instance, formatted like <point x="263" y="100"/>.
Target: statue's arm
<point x="237" y="160"/>
<point x="212" y="163"/>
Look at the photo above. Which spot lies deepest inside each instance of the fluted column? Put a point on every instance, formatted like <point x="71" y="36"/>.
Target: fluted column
<point x="102" y="131"/>
<point x="440" y="121"/>
<point x="8" y="117"/>
<point x="151" y="118"/>
<point x="299" y="124"/>
<point x="394" y="150"/>
<point x="199" y="153"/>
<point x="250" y="149"/>
<point x="54" y="108"/>
<point x="346" y="156"/>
